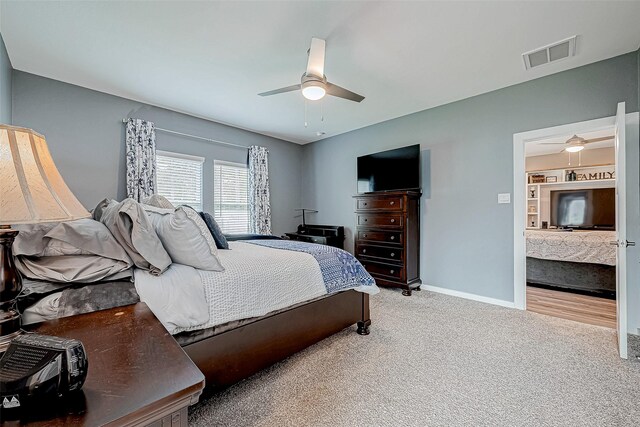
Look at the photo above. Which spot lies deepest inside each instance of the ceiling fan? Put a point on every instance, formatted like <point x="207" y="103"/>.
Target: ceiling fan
<point x="576" y="143"/>
<point x="314" y="84"/>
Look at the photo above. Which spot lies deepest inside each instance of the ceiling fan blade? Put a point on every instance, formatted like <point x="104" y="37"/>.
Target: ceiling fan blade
<point x="281" y="90"/>
<point x="340" y="92"/>
<point x="604" y="138"/>
<point x="315" y="64"/>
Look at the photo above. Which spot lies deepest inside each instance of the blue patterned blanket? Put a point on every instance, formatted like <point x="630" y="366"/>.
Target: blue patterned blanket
<point x="340" y="270"/>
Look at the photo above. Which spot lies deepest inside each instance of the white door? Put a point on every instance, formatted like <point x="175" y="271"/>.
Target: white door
<point x="621" y="232"/>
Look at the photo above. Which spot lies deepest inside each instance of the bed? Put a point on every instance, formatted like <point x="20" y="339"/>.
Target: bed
<point x="273" y="298"/>
<point x="582" y="261"/>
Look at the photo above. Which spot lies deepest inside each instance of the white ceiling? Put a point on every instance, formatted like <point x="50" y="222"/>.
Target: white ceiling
<point x="211" y="59"/>
<point x="556" y="145"/>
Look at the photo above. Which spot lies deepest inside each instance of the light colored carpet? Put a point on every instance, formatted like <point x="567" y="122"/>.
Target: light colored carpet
<point x="438" y="360"/>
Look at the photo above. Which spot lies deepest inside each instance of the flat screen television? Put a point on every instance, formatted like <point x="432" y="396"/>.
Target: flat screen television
<point x="584" y="209"/>
<point x="397" y="169"/>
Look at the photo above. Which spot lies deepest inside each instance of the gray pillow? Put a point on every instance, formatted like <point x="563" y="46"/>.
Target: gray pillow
<point x="185" y="236"/>
<point x="83" y="250"/>
<point x="212" y="225"/>
<point x="130" y="226"/>
<point x="158" y="201"/>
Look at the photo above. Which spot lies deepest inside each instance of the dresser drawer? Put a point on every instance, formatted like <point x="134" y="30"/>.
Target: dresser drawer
<point x="380" y="269"/>
<point x="381" y="236"/>
<point x="380" y="203"/>
<point x="390" y="254"/>
<point x="380" y="220"/>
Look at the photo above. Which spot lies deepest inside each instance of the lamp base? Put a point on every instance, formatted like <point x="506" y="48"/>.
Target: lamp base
<point x="9" y="327"/>
<point x="10" y="288"/>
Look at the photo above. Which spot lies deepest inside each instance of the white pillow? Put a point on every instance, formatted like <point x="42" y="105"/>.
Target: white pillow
<point x="185" y="237"/>
<point x="158" y="201"/>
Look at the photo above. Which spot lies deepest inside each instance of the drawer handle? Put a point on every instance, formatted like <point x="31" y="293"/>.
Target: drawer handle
<point x="393" y="237"/>
<point x="393" y="220"/>
<point x="365" y="220"/>
<point x="393" y="254"/>
<point x="392" y="203"/>
<point x="392" y="271"/>
<point x="364" y="235"/>
<point x="364" y="251"/>
<point x="364" y="204"/>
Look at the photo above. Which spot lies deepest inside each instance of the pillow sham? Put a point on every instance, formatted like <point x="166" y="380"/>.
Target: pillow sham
<point x="130" y="226"/>
<point x="186" y="237"/>
<point x="72" y="268"/>
<point x="158" y="201"/>
<point x="88" y="236"/>
<point x="214" y="229"/>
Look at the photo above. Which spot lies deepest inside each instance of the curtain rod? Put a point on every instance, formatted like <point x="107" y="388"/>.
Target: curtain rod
<point x="173" y="132"/>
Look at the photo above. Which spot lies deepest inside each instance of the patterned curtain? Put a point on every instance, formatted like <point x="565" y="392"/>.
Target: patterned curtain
<point x="259" y="204"/>
<point x="141" y="159"/>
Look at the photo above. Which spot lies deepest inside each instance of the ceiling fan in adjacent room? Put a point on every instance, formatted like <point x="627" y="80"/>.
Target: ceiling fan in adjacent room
<point x="314" y="84"/>
<point x="576" y="143"/>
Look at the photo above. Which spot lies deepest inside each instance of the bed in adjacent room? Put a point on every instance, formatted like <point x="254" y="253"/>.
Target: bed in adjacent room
<point x="574" y="260"/>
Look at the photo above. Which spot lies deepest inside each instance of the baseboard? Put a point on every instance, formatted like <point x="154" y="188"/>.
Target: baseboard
<point x="465" y="295"/>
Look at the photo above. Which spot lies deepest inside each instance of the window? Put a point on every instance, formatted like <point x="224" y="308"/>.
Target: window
<point x="231" y="197"/>
<point x="179" y="178"/>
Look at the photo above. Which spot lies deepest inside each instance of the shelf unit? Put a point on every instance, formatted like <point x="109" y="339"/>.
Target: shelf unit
<point x="578" y="183"/>
<point x="533" y="205"/>
<point x="586" y="176"/>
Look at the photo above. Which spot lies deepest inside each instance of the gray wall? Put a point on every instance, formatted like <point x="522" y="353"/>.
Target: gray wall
<point x="5" y="84"/>
<point x="467" y="159"/>
<point x="85" y="134"/>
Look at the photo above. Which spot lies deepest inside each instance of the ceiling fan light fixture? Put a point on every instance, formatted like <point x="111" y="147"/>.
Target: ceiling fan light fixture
<point x="574" y="148"/>
<point x="313" y="90"/>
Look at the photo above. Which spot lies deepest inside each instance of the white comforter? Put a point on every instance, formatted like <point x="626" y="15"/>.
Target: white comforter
<point x="256" y="281"/>
<point x="577" y="246"/>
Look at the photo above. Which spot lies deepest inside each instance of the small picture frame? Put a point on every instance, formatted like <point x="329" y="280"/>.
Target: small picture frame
<point x="551" y="179"/>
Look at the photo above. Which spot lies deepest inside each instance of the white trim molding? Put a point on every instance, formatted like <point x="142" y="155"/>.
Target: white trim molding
<point x="465" y="295"/>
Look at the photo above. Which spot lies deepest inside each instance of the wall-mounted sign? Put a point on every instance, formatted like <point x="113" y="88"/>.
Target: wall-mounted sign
<point x="595" y="176"/>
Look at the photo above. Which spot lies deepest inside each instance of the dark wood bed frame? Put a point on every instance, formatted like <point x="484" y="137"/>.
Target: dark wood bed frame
<point x="231" y="356"/>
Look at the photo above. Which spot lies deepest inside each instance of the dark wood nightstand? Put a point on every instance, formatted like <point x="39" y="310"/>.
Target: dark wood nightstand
<point x="138" y="374"/>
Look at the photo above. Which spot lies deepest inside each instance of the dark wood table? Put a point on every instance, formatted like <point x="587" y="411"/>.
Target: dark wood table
<point x="138" y="374"/>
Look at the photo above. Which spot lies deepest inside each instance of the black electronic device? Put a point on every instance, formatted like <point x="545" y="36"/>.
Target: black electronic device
<point x="331" y="235"/>
<point x="593" y="208"/>
<point x="390" y="170"/>
<point x="40" y="366"/>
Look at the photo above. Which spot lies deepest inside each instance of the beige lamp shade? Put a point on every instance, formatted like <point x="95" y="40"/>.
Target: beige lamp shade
<point x="31" y="188"/>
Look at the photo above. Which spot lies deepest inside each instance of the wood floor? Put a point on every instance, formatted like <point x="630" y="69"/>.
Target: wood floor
<point x="566" y="305"/>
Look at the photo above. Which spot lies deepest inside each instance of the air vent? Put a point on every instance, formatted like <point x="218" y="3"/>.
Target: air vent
<point x="550" y="53"/>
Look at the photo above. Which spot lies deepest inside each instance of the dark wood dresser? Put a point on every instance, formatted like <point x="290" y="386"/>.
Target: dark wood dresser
<point x="387" y="238"/>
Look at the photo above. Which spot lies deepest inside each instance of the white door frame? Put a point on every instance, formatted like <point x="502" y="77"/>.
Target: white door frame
<point x="519" y="192"/>
<point x="621" y="229"/>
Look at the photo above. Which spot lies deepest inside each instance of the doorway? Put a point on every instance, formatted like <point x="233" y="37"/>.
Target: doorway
<point x="553" y="204"/>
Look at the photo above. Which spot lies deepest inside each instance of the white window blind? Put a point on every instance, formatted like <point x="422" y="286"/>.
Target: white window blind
<point x="231" y="197"/>
<point x="179" y="178"/>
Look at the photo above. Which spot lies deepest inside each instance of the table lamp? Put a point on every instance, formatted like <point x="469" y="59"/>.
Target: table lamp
<point x="31" y="191"/>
